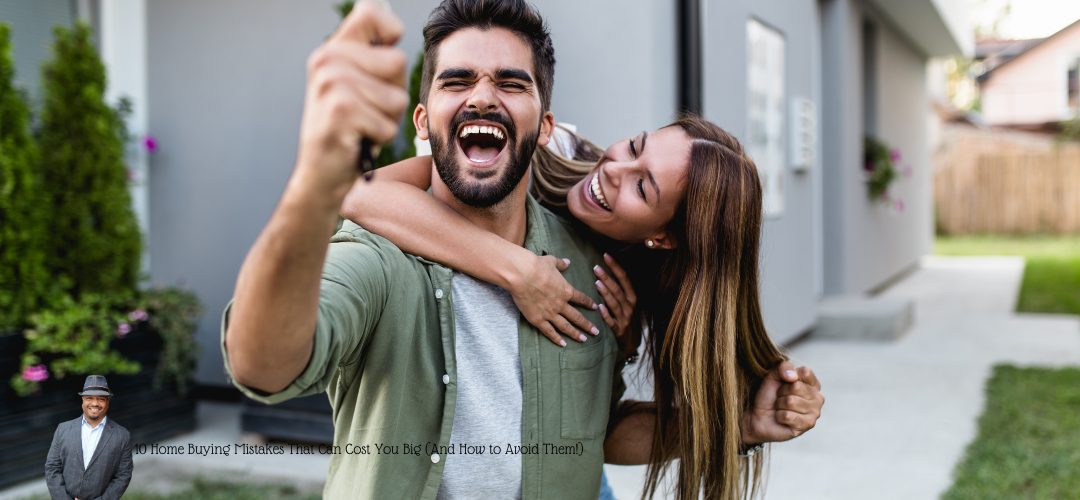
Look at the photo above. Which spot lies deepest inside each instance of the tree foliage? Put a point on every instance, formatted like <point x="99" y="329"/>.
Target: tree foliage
<point x="96" y="238"/>
<point x="24" y="282"/>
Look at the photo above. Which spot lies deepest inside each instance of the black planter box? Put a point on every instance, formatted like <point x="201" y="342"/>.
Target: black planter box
<point x="305" y="419"/>
<point x="27" y="424"/>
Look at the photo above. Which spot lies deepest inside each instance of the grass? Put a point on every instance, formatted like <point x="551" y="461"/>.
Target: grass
<point x="1051" y="281"/>
<point x="213" y="489"/>
<point x="1028" y="444"/>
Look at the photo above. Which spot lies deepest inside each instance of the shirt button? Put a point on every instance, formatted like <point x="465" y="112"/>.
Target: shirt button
<point x="438" y="293"/>
<point x="434" y="458"/>
<point x="446" y="378"/>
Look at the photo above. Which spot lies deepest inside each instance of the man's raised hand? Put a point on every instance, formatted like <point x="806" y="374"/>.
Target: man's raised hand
<point x="355" y="90"/>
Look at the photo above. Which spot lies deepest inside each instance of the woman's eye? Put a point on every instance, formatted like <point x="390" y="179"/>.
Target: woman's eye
<point x="641" y="187"/>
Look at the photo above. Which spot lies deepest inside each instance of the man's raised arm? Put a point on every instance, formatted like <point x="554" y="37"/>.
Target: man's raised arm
<point x="355" y="89"/>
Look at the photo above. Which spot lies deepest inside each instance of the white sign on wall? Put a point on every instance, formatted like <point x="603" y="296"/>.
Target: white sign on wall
<point x="765" y="110"/>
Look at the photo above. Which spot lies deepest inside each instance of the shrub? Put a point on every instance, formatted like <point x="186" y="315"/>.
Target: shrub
<point x="173" y="314"/>
<point x="72" y="337"/>
<point x="23" y="279"/>
<point x="95" y="237"/>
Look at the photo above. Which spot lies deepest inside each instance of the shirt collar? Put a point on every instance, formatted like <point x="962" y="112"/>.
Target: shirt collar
<point x="536" y="227"/>
<point x="100" y="426"/>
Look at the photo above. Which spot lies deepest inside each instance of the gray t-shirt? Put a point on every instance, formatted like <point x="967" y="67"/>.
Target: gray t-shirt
<point x="488" y="410"/>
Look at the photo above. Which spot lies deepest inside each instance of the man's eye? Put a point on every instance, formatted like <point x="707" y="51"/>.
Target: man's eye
<point x="512" y="86"/>
<point x="641" y="187"/>
<point x="633" y="150"/>
<point x="453" y="84"/>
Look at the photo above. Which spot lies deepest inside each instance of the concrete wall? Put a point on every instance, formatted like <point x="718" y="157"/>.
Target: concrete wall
<point x="868" y="243"/>
<point x="226" y="86"/>
<point x="1032" y="88"/>
<point x="791" y="244"/>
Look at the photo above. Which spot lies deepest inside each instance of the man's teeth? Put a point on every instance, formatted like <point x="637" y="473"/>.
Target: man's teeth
<point x="481" y="129"/>
<point x="599" y="195"/>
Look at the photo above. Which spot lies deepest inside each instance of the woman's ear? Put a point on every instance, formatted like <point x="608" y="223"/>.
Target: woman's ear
<point x="662" y="240"/>
<point x="419" y="119"/>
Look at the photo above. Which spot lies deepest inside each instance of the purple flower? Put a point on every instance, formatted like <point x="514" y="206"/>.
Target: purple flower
<point x="907" y="171"/>
<point x="138" y="315"/>
<point x="150" y="143"/>
<point x="123" y="330"/>
<point x="894" y="155"/>
<point x="35" y="373"/>
<point x="899" y="205"/>
<point x="869" y="166"/>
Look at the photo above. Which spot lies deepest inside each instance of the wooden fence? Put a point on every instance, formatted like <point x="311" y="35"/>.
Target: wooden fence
<point x="1006" y="183"/>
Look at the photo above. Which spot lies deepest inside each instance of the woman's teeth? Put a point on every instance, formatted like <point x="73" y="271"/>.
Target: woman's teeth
<point x="598" y="195"/>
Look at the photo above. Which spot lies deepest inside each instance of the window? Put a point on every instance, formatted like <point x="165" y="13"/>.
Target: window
<point x="765" y="105"/>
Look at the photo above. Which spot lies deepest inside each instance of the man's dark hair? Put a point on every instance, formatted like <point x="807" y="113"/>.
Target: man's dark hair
<point x="515" y="15"/>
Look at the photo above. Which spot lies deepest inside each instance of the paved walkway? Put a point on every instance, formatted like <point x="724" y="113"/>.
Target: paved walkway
<point x="897" y="418"/>
<point x="898" y="415"/>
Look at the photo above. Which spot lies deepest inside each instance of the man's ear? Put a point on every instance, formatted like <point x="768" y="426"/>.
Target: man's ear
<point x="664" y="240"/>
<point x="419" y="119"/>
<point x="547" y="126"/>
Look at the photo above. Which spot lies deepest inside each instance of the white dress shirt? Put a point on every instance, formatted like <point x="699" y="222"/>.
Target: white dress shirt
<point x="90" y="438"/>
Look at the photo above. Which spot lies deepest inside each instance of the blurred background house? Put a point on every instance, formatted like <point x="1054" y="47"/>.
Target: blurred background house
<point x="1006" y="161"/>
<point x="1030" y="83"/>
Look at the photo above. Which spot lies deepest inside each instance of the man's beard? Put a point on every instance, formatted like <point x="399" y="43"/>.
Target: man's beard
<point x="486" y="194"/>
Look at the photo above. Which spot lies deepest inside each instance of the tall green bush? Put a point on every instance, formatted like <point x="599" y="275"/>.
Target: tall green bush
<point x="23" y="279"/>
<point x="95" y="237"/>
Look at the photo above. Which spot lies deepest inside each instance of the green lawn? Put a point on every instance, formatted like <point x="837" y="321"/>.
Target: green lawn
<point x="1051" y="281"/>
<point x="1028" y="445"/>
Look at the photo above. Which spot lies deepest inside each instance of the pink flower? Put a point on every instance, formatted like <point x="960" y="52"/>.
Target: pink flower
<point x="907" y="171"/>
<point x="899" y="205"/>
<point x="138" y="315"/>
<point x="150" y="143"/>
<point x="894" y="155"/>
<point x="35" y="373"/>
<point x="123" y="330"/>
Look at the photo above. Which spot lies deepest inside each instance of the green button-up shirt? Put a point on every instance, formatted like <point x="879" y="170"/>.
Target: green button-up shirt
<point x="384" y="354"/>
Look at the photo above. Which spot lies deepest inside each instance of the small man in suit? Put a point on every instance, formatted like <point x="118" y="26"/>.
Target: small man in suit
<point x="90" y="456"/>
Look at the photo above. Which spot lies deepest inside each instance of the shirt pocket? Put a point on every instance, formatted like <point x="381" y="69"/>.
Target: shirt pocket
<point x="586" y="389"/>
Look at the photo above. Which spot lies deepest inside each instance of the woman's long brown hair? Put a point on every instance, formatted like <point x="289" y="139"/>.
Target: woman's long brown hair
<point x="707" y="346"/>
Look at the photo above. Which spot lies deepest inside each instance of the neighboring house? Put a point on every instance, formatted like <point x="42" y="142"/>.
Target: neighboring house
<point x="1033" y="83"/>
<point x="220" y="85"/>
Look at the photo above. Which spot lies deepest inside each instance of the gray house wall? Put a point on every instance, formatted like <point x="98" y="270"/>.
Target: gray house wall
<point x="31" y="26"/>
<point x="791" y="252"/>
<point x="868" y="243"/>
<point x="226" y="88"/>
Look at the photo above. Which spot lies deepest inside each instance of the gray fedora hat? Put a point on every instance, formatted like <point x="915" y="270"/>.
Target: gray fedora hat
<point x="95" y="385"/>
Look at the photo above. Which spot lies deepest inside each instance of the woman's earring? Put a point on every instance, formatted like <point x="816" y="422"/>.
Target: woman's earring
<point x="650" y="243"/>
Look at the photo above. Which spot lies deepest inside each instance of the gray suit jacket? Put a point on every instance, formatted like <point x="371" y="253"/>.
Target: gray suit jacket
<point x="109" y="471"/>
